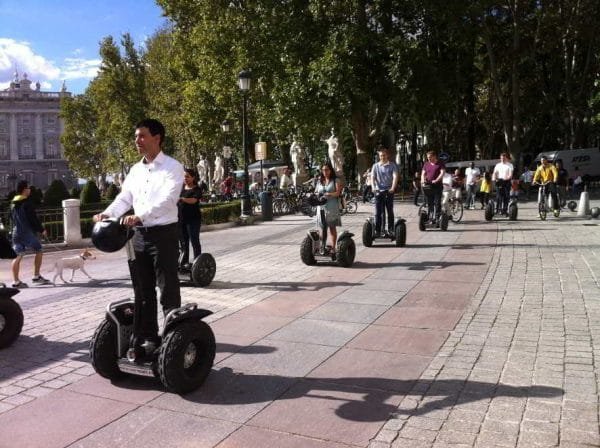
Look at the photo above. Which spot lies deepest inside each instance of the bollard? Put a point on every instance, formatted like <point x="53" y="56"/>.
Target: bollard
<point x="71" y="221"/>
<point x="584" y="205"/>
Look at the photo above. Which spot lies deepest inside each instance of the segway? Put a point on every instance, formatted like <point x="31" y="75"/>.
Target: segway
<point x="314" y="247"/>
<point x="494" y="208"/>
<point x="183" y="356"/>
<point x="430" y="219"/>
<point x="200" y="272"/>
<point x="11" y="316"/>
<point x="396" y="235"/>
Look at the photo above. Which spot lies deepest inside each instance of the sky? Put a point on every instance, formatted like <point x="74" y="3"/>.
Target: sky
<point x="56" y="40"/>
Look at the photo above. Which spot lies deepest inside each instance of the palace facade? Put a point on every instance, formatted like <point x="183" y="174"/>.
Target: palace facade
<point x="30" y="129"/>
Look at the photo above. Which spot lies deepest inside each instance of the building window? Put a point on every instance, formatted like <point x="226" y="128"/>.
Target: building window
<point x="52" y="176"/>
<point x="4" y="153"/>
<point x="28" y="176"/>
<point x="51" y="149"/>
<point x="3" y="179"/>
<point x="26" y="150"/>
<point x="3" y="123"/>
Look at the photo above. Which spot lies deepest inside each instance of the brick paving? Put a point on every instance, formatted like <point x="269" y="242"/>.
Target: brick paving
<point x="485" y="335"/>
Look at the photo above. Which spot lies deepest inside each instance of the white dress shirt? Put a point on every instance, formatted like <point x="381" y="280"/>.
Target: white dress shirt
<point x="503" y="171"/>
<point x="153" y="189"/>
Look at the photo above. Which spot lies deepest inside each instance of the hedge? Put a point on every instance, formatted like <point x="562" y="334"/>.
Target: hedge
<point x="217" y="213"/>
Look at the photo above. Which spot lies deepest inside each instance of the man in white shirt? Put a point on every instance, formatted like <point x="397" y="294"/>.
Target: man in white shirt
<point x="152" y="188"/>
<point x="471" y="176"/>
<point x="286" y="179"/>
<point x="503" y="172"/>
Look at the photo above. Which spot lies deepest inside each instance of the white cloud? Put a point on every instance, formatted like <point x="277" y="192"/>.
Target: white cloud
<point x="19" y="55"/>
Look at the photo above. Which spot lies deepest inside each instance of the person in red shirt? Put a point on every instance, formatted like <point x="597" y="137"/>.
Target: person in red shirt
<point x="431" y="180"/>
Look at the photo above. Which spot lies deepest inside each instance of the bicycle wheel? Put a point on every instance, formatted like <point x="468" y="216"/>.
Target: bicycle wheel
<point x="456" y="210"/>
<point x="542" y="209"/>
<point x="351" y="207"/>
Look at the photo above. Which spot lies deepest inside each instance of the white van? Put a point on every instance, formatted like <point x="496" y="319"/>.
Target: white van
<point x="583" y="162"/>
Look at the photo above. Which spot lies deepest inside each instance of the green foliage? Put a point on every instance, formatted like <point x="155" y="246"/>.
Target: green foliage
<point x="220" y="213"/>
<point x="90" y="193"/>
<point x="56" y="193"/>
<point x="36" y="195"/>
<point x="74" y="192"/>
<point x="111" y="192"/>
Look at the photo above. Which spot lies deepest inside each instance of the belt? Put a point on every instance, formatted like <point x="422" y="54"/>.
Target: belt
<point x="156" y="229"/>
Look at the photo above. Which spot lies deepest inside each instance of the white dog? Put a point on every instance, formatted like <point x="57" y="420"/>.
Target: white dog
<point x="73" y="263"/>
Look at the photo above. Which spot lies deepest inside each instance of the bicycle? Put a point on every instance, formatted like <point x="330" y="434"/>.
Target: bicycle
<point x="453" y="205"/>
<point x="543" y="202"/>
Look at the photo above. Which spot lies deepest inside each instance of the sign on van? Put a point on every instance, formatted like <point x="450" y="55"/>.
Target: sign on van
<point x="444" y="157"/>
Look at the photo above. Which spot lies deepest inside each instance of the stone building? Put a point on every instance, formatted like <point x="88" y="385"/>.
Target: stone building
<point x="30" y="129"/>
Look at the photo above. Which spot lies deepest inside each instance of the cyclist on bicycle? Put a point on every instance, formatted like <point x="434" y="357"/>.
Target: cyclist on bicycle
<point x="384" y="178"/>
<point x="547" y="174"/>
<point x="503" y="173"/>
<point x="431" y="179"/>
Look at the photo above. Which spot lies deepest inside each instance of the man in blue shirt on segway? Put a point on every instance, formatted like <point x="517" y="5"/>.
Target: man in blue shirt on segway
<point x="384" y="179"/>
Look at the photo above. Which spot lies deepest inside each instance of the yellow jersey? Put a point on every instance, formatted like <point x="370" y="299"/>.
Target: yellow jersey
<point x="544" y="174"/>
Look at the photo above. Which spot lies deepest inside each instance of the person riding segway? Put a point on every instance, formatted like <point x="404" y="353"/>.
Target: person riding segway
<point x="203" y="268"/>
<point x="314" y="247"/>
<point x="384" y="179"/>
<point x="503" y="205"/>
<point x="432" y="215"/>
<point x="186" y="348"/>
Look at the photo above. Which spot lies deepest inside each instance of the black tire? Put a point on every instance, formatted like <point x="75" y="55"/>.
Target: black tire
<point x="367" y="234"/>
<point x="513" y="211"/>
<point x="103" y="350"/>
<point x="203" y="270"/>
<point x="456" y="210"/>
<point x="186" y="356"/>
<point x="11" y="321"/>
<point x="306" y="252"/>
<point x="542" y="211"/>
<point x="351" y="207"/>
<point x="400" y="234"/>
<point x="346" y="251"/>
<point x="489" y="211"/>
<point x="444" y="220"/>
<point x="422" y="221"/>
<point x="572" y="205"/>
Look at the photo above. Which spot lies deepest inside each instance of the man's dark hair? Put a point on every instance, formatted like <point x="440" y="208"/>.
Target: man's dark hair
<point x="22" y="185"/>
<point x="154" y="126"/>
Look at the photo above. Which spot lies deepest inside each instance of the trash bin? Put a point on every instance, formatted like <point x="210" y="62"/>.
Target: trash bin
<point x="266" y="205"/>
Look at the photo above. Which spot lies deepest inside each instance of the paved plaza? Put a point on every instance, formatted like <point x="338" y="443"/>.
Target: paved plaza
<point x="482" y="336"/>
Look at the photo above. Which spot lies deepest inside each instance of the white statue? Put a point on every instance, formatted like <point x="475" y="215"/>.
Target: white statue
<point x="203" y="170"/>
<point x="298" y="160"/>
<point x="335" y="154"/>
<point x="219" y="173"/>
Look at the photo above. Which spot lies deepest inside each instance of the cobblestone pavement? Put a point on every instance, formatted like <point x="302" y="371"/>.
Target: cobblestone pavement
<point x="485" y="335"/>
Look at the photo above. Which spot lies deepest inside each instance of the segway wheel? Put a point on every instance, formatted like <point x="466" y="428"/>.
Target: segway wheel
<point x="351" y="207"/>
<point x="444" y="219"/>
<point x="572" y="205"/>
<point x="346" y="252"/>
<point x="103" y="350"/>
<point x="367" y="234"/>
<point x="306" y="252"/>
<point x="203" y="270"/>
<point x="186" y="356"/>
<point x="489" y="211"/>
<point x="513" y="210"/>
<point x="422" y="221"/>
<point x="11" y="321"/>
<point x="400" y="234"/>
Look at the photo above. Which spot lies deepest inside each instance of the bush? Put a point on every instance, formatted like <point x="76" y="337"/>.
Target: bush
<point x="219" y="213"/>
<point x="36" y="195"/>
<point x="75" y="192"/>
<point x="56" y="193"/>
<point x="90" y="193"/>
<point x="111" y="192"/>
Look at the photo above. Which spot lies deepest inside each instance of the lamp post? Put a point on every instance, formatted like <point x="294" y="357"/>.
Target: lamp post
<point x="244" y="79"/>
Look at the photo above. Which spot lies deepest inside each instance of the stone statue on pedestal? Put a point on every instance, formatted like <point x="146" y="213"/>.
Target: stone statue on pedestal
<point x="219" y="173"/>
<point x="298" y="160"/>
<point x="335" y="154"/>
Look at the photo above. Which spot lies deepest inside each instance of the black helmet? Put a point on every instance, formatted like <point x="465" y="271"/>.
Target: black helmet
<point x="315" y="200"/>
<point x="110" y="235"/>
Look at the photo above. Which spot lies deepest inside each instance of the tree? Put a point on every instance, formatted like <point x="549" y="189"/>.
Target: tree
<point x="90" y="194"/>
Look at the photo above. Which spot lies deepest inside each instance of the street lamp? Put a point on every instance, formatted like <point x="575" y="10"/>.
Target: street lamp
<point x="244" y="78"/>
